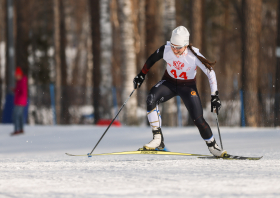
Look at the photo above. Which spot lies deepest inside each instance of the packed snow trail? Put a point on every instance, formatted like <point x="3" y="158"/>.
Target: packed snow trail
<point x="35" y="164"/>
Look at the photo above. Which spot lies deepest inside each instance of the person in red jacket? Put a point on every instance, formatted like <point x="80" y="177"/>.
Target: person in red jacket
<point x="20" y="101"/>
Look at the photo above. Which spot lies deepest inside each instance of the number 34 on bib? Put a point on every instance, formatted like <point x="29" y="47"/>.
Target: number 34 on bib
<point x="181" y="75"/>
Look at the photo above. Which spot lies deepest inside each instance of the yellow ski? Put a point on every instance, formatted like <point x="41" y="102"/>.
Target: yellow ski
<point x="141" y="152"/>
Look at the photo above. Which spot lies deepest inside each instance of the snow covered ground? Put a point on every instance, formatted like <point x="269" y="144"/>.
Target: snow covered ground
<point x="34" y="164"/>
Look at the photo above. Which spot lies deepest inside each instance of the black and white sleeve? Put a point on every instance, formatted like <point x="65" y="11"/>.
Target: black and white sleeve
<point x="156" y="56"/>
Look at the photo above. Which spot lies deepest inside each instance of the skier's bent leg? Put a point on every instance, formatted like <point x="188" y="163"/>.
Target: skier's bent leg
<point x="161" y="92"/>
<point x="158" y="94"/>
<point x="193" y="104"/>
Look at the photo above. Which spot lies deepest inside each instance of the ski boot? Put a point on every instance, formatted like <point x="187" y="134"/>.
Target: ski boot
<point x="156" y="144"/>
<point x="215" y="149"/>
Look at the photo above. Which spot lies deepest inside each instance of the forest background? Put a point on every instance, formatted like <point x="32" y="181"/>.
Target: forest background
<point x="81" y="57"/>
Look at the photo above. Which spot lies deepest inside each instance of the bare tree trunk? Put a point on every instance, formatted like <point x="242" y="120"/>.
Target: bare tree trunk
<point x="139" y="20"/>
<point x="57" y="60"/>
<point x="267" y="64"/>
<point x="169" y="19"/>
<point x="128" y="59"/>
<point x="62" y="105"/>
<point x="10" y="52"/>
<point x="65" y="115"/>
<point x="2" y="27"/>
<point x="95" y="35"/>
<point x="78" y="27"/>
<point x="154" y="39"/>
<point x="183" y="13"/>
<point x="223" y="51"/>
<point x="251" y="37"/>
<point x="116" y="56"/>
<point x="89" y="67"/>
<point x="87" y="59"/>
<point x="277" y="81"/>
<point x="89" y="70"/>
<point x="196" y="23"/>
<point x="106" y="61"/>
<point x="198" y="41"/>
<point x="80" y="21"/>
<point x="22" y="33"/>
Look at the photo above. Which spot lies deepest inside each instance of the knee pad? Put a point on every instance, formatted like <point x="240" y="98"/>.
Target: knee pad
<point x="154" y="118"/>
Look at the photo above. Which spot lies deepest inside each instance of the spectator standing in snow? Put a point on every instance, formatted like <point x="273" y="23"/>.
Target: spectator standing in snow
<point x="20" y="101"/>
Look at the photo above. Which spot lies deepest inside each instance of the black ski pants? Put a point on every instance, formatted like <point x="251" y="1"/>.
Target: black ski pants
<point x="165" y="90"/>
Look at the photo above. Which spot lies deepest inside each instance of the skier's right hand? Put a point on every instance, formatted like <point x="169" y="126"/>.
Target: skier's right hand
<point x="138" y="80"/>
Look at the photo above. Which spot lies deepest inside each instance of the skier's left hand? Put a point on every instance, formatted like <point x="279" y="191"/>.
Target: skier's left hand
<point x="215" y="102"/>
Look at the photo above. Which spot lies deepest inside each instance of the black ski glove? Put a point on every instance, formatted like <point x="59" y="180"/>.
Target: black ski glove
<point x="215" y="102"/>
<point x="138" y="80"/>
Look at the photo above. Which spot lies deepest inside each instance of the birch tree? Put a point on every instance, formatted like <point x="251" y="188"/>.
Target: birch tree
<point x="128" y="60"/>
<point x="106" y="61"/>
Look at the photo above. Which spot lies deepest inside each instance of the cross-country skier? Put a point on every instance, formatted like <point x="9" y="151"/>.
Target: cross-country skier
<point x="179" y="79"/>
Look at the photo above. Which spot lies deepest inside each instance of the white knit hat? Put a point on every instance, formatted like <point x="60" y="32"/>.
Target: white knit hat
<point x="180" y="36"/>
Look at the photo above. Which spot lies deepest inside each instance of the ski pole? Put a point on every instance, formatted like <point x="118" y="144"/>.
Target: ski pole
<point x="112" y="121"/>
<point x="219" y="130"/>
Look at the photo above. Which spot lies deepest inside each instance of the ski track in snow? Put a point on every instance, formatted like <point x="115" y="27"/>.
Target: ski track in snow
<point x="34" y="164"/>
